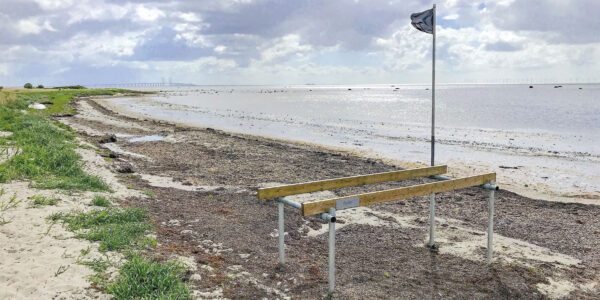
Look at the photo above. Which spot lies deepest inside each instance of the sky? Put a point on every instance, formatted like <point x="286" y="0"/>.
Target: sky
<point x="283" y="42"/>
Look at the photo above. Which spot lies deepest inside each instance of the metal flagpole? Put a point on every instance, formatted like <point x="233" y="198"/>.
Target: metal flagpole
<point x="432" y="196"/>
<point x="433" y="94"/>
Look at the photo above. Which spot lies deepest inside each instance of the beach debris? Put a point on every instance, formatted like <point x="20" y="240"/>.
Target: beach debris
<point x="507" y="167"/>
<point x="37" y="106"/>
<point x="109" y="154"/>
<point x="108" y="139"/>
<point x="125" y="168"/>
<point x="531" y="86"/>
<point x="62" y="115"/>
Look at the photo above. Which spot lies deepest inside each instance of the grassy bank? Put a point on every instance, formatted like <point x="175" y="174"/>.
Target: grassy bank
<point x="43" y="152"/>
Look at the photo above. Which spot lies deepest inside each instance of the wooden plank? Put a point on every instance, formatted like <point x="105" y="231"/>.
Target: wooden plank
<point x="321" y="206"/>
<point x="331" y="184"/>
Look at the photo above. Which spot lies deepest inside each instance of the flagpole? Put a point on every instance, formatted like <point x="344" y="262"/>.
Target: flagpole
<point x="432" y="196"/>
<point x="433" y="94"/>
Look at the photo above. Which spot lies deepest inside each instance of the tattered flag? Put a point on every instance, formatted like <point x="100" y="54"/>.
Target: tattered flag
<point x="423" y="21"/>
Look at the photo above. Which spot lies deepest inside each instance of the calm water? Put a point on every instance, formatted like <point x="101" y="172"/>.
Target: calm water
<point x="557" y="129"/>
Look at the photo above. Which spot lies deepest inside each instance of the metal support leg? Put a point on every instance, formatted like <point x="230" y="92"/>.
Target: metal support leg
<point x="281" y="233"/>
<point x="490" y="244"/>
<point x="432" y="220"/>
<point x="331" y="253"/>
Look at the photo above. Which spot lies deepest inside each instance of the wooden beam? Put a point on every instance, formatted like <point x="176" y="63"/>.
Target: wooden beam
<point x="331" y="184"/>
<point x="321" y="206"/>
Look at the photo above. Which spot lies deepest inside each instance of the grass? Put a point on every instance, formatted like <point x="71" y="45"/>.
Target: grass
<point x="101" y="201"/>
<point x="114" y="228"/>
<point x="149" y="193"/>
<point x="141" y="278"/>
<point x="39" y="200"/>
<point x="47" y="154"/>
<point x="12" y="202"/>
<point x="4" y="221"/>
<point x="46" y="149"/>
<point x="124" y="230"/>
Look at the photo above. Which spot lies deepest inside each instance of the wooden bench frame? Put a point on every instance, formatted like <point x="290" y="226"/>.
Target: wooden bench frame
<point x="326" y="208"/>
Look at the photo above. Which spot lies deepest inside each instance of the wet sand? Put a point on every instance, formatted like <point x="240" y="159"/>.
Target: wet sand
<point x="205" y="208"/>
<point x="551" y="156"/>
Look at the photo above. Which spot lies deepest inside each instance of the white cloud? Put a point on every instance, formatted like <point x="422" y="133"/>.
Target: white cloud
<point x="145" y="14"/>
<point x="103" y="47"/>
<point x="97" y="10"/>
<point x="289" y="44"/>
<point x="54" y="4"/>
<point x="189" y="17"/>
<point x="34" y="26"/>
<point x="220" y="49"/>
<point x="451" y="17"/>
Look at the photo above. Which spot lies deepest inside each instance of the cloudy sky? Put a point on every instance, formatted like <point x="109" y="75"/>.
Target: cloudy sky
<point x="296" y="41"/>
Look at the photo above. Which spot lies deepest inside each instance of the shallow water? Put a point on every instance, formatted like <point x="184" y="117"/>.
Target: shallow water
<point x="552" y="135"/>
<point x="147" y="138"/>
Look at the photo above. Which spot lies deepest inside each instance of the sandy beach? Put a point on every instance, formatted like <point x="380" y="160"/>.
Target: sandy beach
<point x="205" y="209"/>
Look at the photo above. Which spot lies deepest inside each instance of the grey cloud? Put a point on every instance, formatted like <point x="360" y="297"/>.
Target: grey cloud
<point x="162" y="46"/>
<point x="503" y="47"/>
<point x="565" y="21"/>
<point x="247" y="28"/>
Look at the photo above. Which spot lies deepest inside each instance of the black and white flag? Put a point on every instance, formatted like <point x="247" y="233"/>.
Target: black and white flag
<point x="423" y="21"/>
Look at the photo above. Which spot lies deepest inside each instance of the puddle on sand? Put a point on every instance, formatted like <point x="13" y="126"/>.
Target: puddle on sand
<point x="147" y="138"/>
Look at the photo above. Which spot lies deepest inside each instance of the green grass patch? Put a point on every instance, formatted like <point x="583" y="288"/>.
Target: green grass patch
<point x="46" y="149"/>
<point x="141" y="278"/>
<point x="60" y="99"/>
<point x="114" y="228"/>
<point x="47" y="154"/>
<point x="101" y="201"/>
<point x="39" y="200"/>
<point x="149" y="193"/>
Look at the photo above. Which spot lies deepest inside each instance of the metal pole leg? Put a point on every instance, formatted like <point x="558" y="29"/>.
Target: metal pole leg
<point x="281" y="234"/>
<point x="432" y="220"/>
<point x="490" y="244"/>
<point x="331" y="253"/>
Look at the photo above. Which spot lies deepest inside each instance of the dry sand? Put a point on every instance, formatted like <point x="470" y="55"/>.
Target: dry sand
<point x="38" y="258"/>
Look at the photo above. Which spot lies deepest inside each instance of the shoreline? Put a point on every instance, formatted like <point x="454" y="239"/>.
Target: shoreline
<point x="204" y="182"/>
<point x="456" y="167"/>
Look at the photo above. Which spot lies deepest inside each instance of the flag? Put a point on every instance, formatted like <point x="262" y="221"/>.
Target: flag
<point x="423" y="21"/>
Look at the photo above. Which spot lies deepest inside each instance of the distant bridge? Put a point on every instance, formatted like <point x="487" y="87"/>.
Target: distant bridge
<point x="136" y="84"/>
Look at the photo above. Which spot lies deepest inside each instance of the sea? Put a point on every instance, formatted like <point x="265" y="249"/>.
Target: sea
<point x="543" y="140"/>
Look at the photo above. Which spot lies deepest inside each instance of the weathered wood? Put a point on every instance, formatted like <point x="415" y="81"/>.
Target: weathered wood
<point x="331" y="184"/>
<point x="320" y="206"/>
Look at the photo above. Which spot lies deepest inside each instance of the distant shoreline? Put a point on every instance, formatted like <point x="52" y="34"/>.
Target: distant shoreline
<point x="457" y="167"/>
